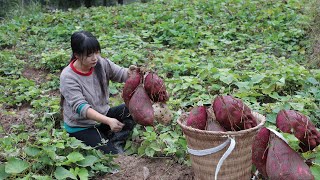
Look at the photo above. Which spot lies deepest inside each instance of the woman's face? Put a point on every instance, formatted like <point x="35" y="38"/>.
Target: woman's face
<point x="90" y="60"/>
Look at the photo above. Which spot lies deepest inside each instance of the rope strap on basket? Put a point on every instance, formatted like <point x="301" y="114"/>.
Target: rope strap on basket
<point x="278" y="134"/>
<point x="214" y="150"/>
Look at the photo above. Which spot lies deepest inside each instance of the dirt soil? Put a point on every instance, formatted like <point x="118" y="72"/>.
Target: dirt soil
<point x="139" y="168"/>
<point x="17" y="116"/>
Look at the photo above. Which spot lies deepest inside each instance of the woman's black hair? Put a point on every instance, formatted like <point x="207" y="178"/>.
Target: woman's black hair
<point x="83" y="43"/>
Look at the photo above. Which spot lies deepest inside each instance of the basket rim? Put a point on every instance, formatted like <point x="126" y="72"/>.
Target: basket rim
<point x="257" y="115"/>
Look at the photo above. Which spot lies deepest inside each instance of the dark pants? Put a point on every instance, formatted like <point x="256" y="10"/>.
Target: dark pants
<point x="101" y="136"/>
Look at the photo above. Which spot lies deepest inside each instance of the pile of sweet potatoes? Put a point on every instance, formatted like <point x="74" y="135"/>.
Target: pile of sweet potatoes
<point x="271" y="155"/>
<point x="145" y="95"/>
<point x="274" y="158"/>
<point x="231" y="114"/>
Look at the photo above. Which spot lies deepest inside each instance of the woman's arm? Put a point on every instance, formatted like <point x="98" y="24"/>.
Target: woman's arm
<point x="114" y="124"/>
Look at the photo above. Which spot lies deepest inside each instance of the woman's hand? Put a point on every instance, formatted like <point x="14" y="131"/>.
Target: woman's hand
<point x="132" y="69"/>
<point x="115" y="125"/>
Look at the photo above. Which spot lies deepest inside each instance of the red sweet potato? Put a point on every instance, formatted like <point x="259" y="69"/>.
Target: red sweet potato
<point x="197" y="117"/>
<point x="284" y="163"/>
<point x="155" y="88"/>
<point x="290" y="121"/>
<point x="130" y="86"/>
<point x="233" y="114"/>
<point x="140" y="107"/>
<point x="260" y="150"/>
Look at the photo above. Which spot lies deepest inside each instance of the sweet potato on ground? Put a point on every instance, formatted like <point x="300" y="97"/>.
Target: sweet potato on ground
<point x="140" y="107"/>
<point x="233" y="114"/>
<point x="197" y="117"/>
<point x="290" y="121"/>
<point x="283" y="163"/>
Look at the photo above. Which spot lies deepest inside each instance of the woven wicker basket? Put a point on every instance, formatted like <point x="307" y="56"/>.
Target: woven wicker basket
<point x="237" y="165"/>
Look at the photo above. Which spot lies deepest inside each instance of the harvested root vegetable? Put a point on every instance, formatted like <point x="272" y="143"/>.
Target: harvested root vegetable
<point x="284" y="163"/>
<point x="162" y="113"/>
<point x="197" y="117"/>
<point x="155" y="88"/>
<point x="213" y="125"/>
<point x="233" y="114"/>
<point x="130" y="86"/>
<point x="260" y="150"/>
<point x="290" y="121"/>
<point x="140" y="107"/>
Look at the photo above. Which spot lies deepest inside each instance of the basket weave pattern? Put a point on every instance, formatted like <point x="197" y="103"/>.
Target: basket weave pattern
<point x="238" y="164"/>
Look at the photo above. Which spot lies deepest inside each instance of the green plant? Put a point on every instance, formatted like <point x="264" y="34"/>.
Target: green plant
<point x="18" y="91"/>
<point x="9" y="64"/>
<point x="50" y="154"/>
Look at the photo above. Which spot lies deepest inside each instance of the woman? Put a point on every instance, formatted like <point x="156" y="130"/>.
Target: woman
<point x="85" y="97"/>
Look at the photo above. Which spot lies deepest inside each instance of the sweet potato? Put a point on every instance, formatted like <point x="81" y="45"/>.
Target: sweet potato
<point x="290" y="121"/>
<point x="155" y="88"/>
<point x="140" y="107"/>
<point x="130" y="86"/>
<point x="260" y="150"/>
<point x="197" y="117"/>
<point x="233" y="114"/>
<point x="284" y="163"/>
<point x="162" y="113"/>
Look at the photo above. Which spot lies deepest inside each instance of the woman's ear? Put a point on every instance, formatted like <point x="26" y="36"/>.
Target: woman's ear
<point x="76" y="55"/>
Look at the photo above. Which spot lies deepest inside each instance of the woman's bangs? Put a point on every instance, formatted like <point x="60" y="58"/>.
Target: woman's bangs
<point x="91" y="45"/>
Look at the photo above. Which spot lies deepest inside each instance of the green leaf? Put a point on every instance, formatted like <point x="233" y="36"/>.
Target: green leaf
<point x="257" y="78"/>
<point x="3" y="174"/>
<point x="60" y="145"/>
<point x="88" y="161"/>
<point x="149" y="129"/>
<point x="16" y="166"/>
<point x="39" y="177"/>
<point x="281" y="81"/>
<point x="293" y="141"/>
<point x="243" y="85"/>
<point x="75" y="157"/>
<point x="297" y="106"/>
<point x="268" y="89"/>
<point x="227" y="79"/>
<point x="155" y="146"/>
<point x="32" y="151"/>
<point x="75" y="143"/>
<point x="101" y="167"/>
<point x="317" y="159"/>
<point x="62" y="173"/>
<point x="149" y="152"/>
<point x="315" y="170"/>
<point x="271" y="118"/>
<point x="135" y="132"/>
<point x="83" y="174"/>
<point x="312" y="80"/>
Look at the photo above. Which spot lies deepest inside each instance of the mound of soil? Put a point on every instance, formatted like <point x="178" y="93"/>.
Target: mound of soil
<point x="139" y="168"/>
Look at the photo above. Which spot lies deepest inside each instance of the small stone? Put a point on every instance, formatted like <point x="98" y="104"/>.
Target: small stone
<point x="146" y="173"/>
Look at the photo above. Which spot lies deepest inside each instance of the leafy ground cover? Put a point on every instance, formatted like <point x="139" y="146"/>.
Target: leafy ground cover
<point x="255" y="50"/>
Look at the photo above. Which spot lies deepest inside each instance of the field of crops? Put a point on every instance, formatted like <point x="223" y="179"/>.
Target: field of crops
<point x="257" y="51"/>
